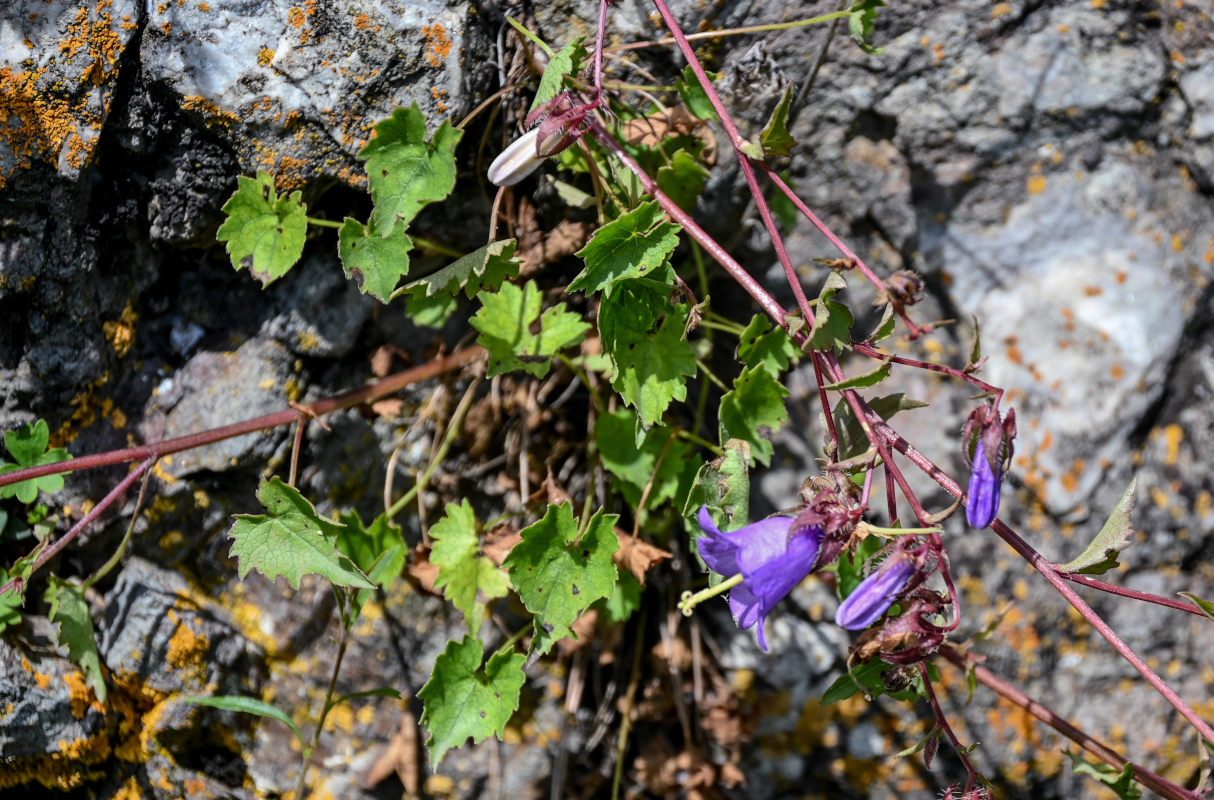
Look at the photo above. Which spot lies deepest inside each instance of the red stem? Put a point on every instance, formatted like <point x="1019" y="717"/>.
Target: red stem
<point x="1146" y="597"/>
<point x="942" y="721"/>
<point x="160" y="449"/>
<point x="866" y="349"/>
<point x="1097" y="748"/>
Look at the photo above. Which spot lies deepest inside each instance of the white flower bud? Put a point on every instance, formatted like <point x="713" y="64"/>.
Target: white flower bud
<point x="517" y="161"/>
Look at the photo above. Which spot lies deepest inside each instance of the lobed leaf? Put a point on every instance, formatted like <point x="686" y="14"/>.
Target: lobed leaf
<point x="1101" y="555"/>
<point x="692" y="93"/>
<point x="518" y="336"/>
<point x="558" y="575"/>
<point x="1120" y="781"/>
<point x="765" y="343"/>
<point x="832" y="320"/>
<point x="634" y="464"/>
<point x="462" y="701"/>
<point x="264" y="232"/>
<point x="70" y="611"/>
<point x="463" y="573"/>
<point x="682" y="180"/>
<point x="375" y="262"/>
<point x="755" y="402"/>
<point x="774" y="138"/>
<point x="630" y="246"/>
<point x="723" y="485"/>
<point x="485" y="268"/>
<point x="405" y="171"/>
<point x="27" y="444"/>
<point x="566" y="62"/>
<point x="291" y="541"/>
<point x="863" y="15"/>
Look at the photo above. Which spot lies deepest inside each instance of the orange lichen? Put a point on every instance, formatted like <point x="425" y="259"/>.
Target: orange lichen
<point x="264" y="56"/>
<point x="362" y="21"/>
<point x="80" y="694"/>
<point x="438" y="46"/>
<point x="213" y="114"/>
<point x="120" y="333"/>
<point x="186" y="647"/>
<point x="1036" y="184"/>
<point x="295" y="16"/>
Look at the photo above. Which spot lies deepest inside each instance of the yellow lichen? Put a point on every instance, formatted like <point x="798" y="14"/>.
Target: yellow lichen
<point x="186" y="647"/>
<point x="120" y="333"/>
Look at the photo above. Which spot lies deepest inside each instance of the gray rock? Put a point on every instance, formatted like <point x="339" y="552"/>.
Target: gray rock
<point x="317" y="312"/>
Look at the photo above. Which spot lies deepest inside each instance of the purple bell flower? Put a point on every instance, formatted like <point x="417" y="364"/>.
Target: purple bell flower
<point x="770" y="556"/>
<point x="875" y="594"/>
<point x="983" y="496"/>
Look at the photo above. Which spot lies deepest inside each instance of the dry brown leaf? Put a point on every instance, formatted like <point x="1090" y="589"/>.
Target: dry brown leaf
<point x="564" y="240"/>
<point x="422" y="570"/>
<point x="400" y="757"/>
<point x="388" y="408"/>
<point x="676" y="121"/>
<point x="499" y="541"/>
<point x="637" y="556"/>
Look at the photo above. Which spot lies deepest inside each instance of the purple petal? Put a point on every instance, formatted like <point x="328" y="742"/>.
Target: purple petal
<point x="719" y="551"/>
<point x="982" y="503"/>
<point x="873" y="597"/>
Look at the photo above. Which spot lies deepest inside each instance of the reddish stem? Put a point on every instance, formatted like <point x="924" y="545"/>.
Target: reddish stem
<point x="160" y="449"/>
<point x="1146" y="597"/>
<point x="866" y="349"/>
<point x="1097" y="748"/>
<point x="96" y="511"/>
<point x="942" y="721"/>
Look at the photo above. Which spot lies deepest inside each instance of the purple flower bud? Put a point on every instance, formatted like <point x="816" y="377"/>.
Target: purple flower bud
<point x="875" y="594"/>
<point x="982" y="499"/>
<point x="771" y="555"/>
<point x="517" y="161"/>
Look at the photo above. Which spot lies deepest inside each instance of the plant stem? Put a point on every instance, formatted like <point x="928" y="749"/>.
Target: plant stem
<point x="1146" y="597"/>
<point x="942" y="721"/>
<point x="343" y="639"/>
<point x="324" y="223"/>
<point x="863" y="348"/>
<point x="113" y="561"/>
<point x="774" y="26"/>
<point x="1106" y="754"/>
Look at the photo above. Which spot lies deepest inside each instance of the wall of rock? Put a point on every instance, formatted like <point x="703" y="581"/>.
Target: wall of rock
<point x="1046" y="166"/>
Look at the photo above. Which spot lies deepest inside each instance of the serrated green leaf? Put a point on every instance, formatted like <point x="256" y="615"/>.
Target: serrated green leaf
<point x="863" y="15"/>
<point x="767" y="344"/>
<point x="774" y="137"/>
<point x="755" y="402"/>
<point x="865" y="379"/>
<point x="567" y="61"/>
<point x="379" y="551"/>
<point x="376" y="263"/>
<point x="405" y="172"/>
<point x="852" y="441"/>
<point x="1205" y="606"/>
<point x="1120" y="781"/>
<point x="624" y="601"/>
<point x="723" y="485"/>
<point x="634" y="464"/>
<point x="632" y="245"/>
<point x="264" y="232"/>
<point x="1101" y="555"/>
<point x="462" y="571"/>
<point x="692" y="93"/>
<point x="885" y="328"/>
<point x="291" y="541"/>
<point x="518" y="336"/>
<point x="832" y="320"/>
<point x="558" y="576"/>
<point x="463" y="702"/>
<point x="485" y="268"/>
<point x="682" y="180"/>
<point x="27" y="445"/>
<point x="649" y="367"/>
<point x="247" y="705"/>
<point x="70" y="611"/>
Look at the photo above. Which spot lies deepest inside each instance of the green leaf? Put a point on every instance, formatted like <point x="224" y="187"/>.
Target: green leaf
<point x="629" y="246"/>
<point x="1205" y="606"/>
<point x="832" y="320"/>
<point x="624" y="601"/>
<point x="1101" y="555"/>
<point x="10" y="602"/>
<point x="566" y="62"/>
<point x="692" y="93"/>
<point x="755" y="402"/>
<point x="376" y="263"/>
<point x="885" y="328"/>
<point x="723" y="485"/>
<point x="774" y="137"/>
<point x="765" y="343"/>
<point x="485" y="268"/>
<point x="463" y="702"/>
<point x="867" y="678"/>
<point x="976" y="350"/>
<point x="264" y="231"/>
<point x="517" y="336"/>
<point x="852" y="441"/>
<point x="27" y="445"/>
<point x="1121" y="781"/>
<point x="462" y="572"/>
<point x="634" y="464"/>
<point x="863" y="15"/>
<point x="291" y="541"/>
<point x="432" y="312"/>
<point x="379" y="551"/>
<point x="70" y="611"/>
<point x="683" y="179"/>
<point x="865" y="379"/>
<point x="557" y="575"/>
<point x="649" y="366"/>
<point x="247" y="705"/>
<point x="405" y="171"/>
